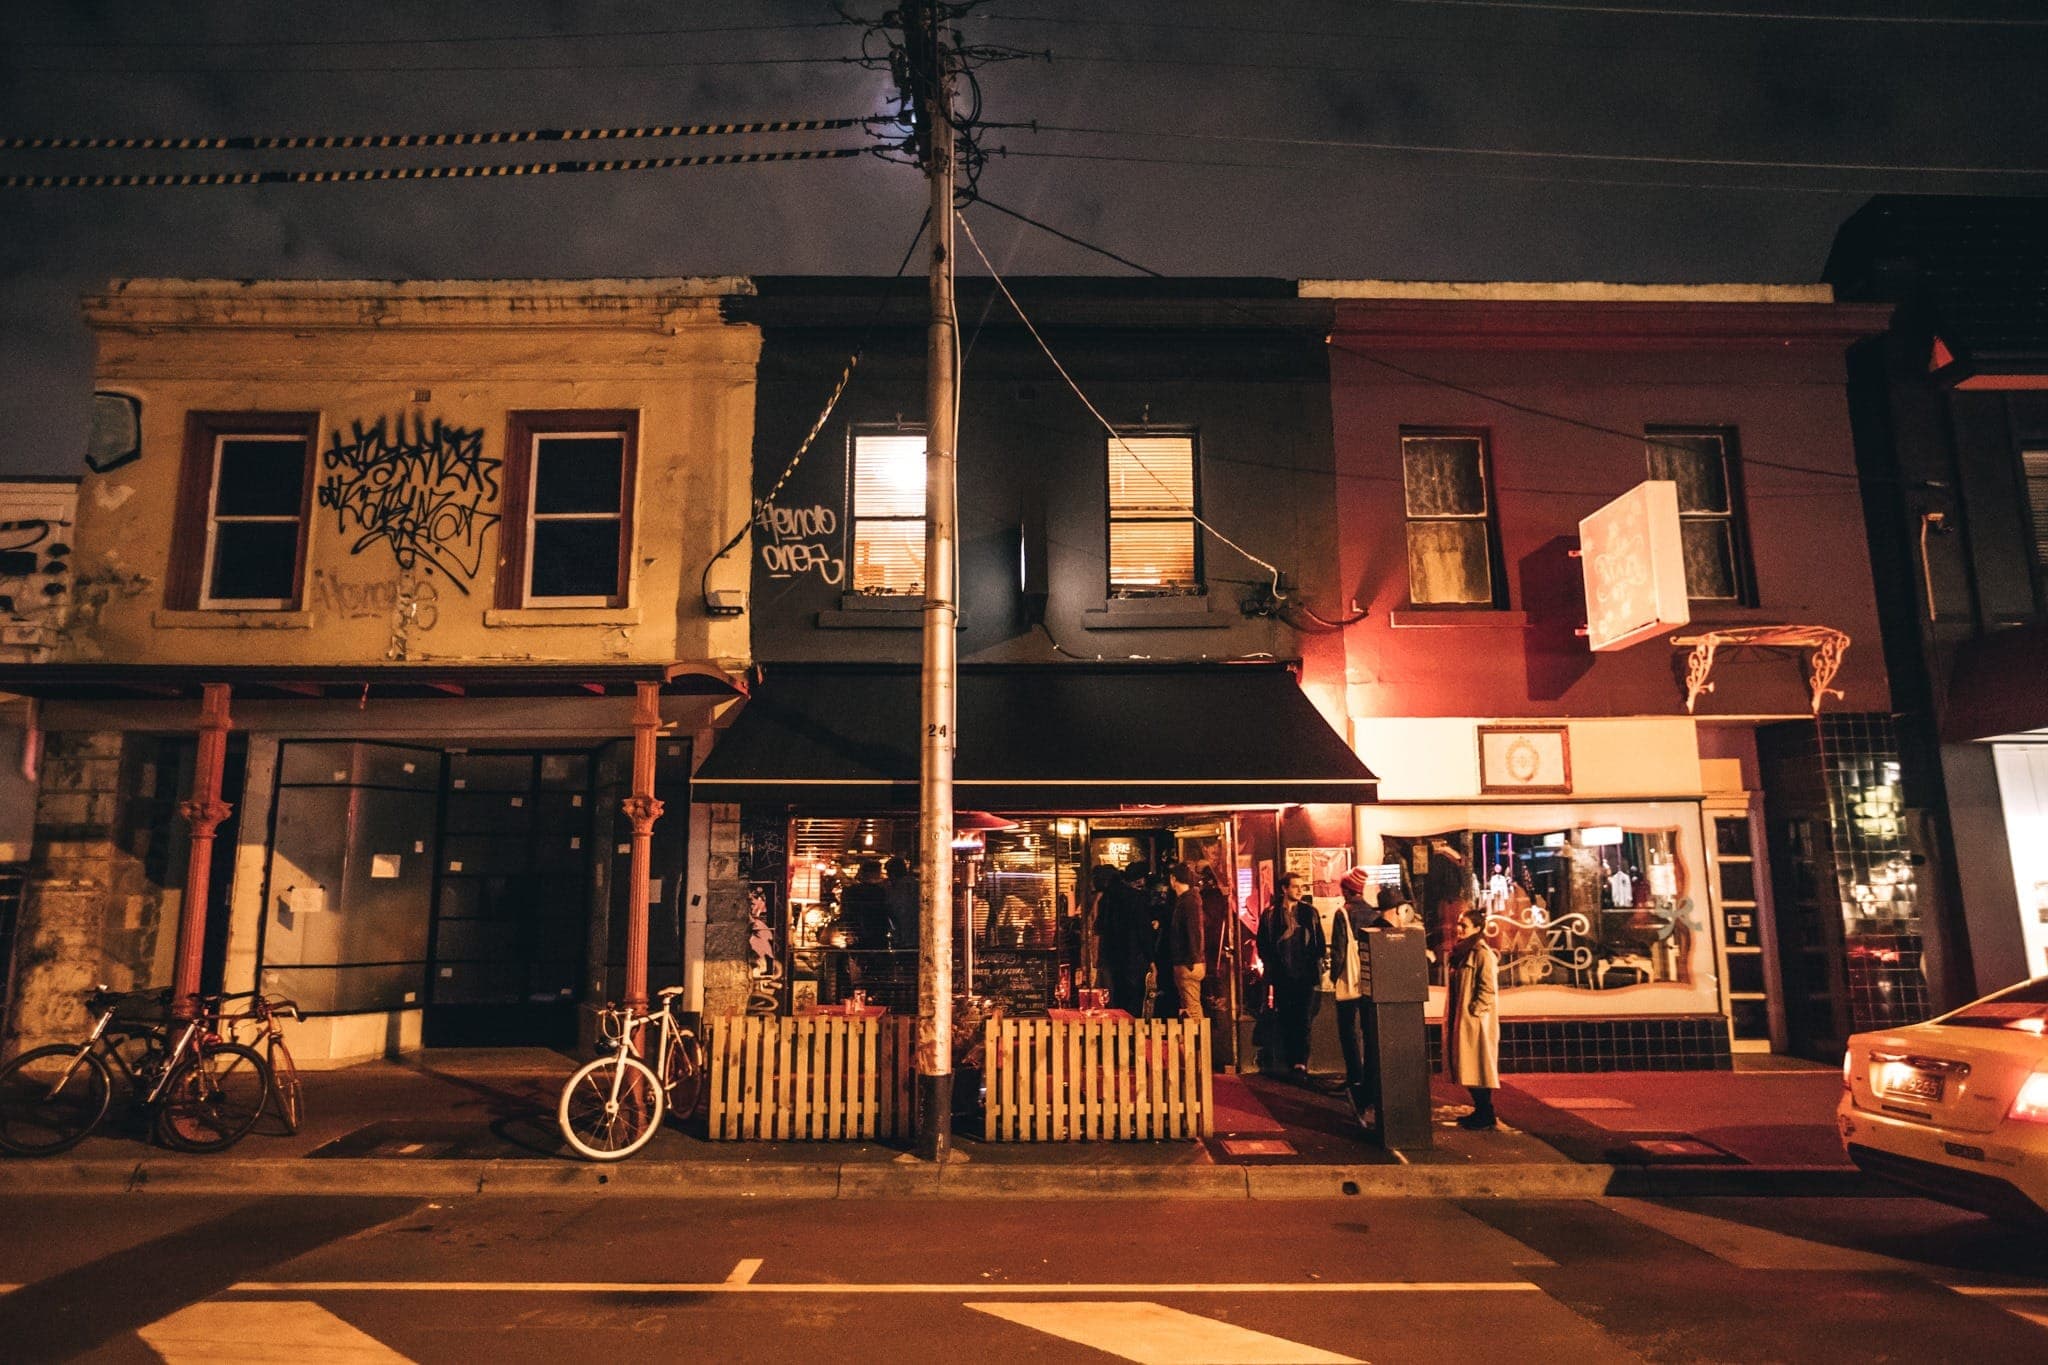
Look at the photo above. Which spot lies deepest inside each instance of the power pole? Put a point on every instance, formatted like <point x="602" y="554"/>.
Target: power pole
<point x="932" y="95"/>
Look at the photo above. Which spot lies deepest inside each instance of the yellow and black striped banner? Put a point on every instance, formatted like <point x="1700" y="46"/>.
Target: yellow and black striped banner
<point x="174" y="179"/>
<point x="338" y="141"/>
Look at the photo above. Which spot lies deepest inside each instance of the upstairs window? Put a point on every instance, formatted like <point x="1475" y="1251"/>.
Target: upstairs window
<point x="888" y="513"/>
<point x="1702" y="464"/>
<point x="569" y="509"/>
<point x="1154" y="547"/>
<point x="2034" y="469"/>
<point x="1453" y="546"/>
<point x="244" y="504"/>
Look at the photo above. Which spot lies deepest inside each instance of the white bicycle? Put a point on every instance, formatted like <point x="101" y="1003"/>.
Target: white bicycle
<point x="611" y="1107"/>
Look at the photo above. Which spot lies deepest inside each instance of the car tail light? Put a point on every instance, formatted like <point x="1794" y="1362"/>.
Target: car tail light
<point x="1848" y="1058"/>
<point x="2031" y="1104"/>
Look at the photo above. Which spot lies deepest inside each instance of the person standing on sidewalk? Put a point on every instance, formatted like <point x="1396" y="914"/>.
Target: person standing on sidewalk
<point x="1291" y="946"/>
<point x="1184" y="938"/>
<point x="1472" y="1018"/>
<point x="1354" y="919"/>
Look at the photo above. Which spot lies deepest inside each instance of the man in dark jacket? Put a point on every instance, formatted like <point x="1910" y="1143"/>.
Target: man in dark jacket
<point x="1125" y="932"/>
<point x="1185" y="941"/>
<point x="1291" y="946"/>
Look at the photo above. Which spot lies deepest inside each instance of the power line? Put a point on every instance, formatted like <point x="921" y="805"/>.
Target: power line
<point x="1772" y="16"/>
<point x="211" y="179"/>
<point x="211" y="44"/>
<point x="1620" y="158"/>
<point x="328" y="141"/>
<point x="608" y="64"/>
<point x="1419" y="376"/>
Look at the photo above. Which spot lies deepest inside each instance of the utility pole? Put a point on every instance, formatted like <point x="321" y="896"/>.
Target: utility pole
<point x="932" y="94"/>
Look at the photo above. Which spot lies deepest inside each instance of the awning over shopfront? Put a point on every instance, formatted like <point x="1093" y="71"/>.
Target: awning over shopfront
<point x="1999" y="685"/>
<point x="160" y="682"/>
<point x="1073" y="737"/>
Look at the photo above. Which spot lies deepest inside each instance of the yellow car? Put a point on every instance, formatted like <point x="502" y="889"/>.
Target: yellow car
<point x="1957" y="1108"/>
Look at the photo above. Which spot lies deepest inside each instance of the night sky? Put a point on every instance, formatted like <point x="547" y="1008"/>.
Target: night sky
<point x="1681" y="117"/>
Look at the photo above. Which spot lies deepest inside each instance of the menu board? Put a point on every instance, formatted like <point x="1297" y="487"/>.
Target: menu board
<point x="1021" y="982"/>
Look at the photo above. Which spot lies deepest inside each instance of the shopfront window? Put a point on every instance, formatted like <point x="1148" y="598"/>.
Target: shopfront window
<point x="1592" y="908"/>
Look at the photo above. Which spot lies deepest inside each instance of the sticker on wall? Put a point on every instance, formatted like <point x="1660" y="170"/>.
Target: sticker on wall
<point x="518" y="801"/>
<point x="460" y="783"/>
<point x="624" y="848"/>
<point x="654" y="890"/>
<point x="384" y="866"/>
<point x="115" y="437"/>
<point x="411" y="996"/>
<point x="407" y="767"/>
<point x="305" y="900"/>
<point x="575" y="801"/>
<point x="447" y="972"/>
<point x="455" y="865"/>
<point x="419" y="845"/>
<point x="340" y="775"/>
<point x="575" y="842"/>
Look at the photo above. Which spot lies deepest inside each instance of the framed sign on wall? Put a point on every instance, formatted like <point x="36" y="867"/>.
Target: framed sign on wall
<point x="1535" y="759"/>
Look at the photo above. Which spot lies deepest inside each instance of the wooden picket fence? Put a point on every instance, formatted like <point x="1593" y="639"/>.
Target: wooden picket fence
<point x="812" y="1078"/>
<point x="1098" y="1079"/>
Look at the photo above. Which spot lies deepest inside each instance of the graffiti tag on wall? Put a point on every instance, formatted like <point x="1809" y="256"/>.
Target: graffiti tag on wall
<point x="793" y="541"/>
<point x="421" y="487"/>
<point x="764" y="952"/>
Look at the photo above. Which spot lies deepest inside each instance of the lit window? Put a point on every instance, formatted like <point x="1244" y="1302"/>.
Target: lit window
<point x="1154" y="550"/>
<point x="1448" y="501"/>
<point x="242" y="526"/>
<point x="1700" y="463"/>
<point x="569" y="503"/>
<point x="888" y="513"/>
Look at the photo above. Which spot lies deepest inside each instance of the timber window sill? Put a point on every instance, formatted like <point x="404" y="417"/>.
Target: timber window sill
<point x="562" y="616"/>
<point x="167" y="618"/>
<point x="1156" y="613"/>
<point x="1437" y="618"/>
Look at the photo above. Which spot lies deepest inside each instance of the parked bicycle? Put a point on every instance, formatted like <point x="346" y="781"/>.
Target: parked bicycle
<point x="611" y="1107"/>
<point x="266" y="1013"/>
<point x="200" y="1092"/>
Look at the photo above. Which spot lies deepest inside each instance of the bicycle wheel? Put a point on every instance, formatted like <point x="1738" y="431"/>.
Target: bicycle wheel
<point x="50" y="1098"/>
<point x="610" y="1108"/>
<point x="287" y="1093"/>
<point x="213" y="1097"/>
<point x="685" y="1075"/>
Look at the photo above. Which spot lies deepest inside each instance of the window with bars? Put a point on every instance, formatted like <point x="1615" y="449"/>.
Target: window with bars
<point x="1154" y="492"/>
<point x="1453" y="552"/>
<point x="888" y="513"/>
<point x="244" y="505"/>
<point x="569" y="508"/>
<point x="2034" y="469"/>
<point x="1702" y="464"/>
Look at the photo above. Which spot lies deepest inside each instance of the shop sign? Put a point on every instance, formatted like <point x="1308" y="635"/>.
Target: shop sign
<point x="1633" y="560"/>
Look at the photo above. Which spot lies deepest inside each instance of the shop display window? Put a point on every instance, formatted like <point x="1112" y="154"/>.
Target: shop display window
<point x="1603" y="912"/>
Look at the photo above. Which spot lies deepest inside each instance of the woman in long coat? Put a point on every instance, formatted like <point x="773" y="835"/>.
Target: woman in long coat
<point x="1472" y="1018"/>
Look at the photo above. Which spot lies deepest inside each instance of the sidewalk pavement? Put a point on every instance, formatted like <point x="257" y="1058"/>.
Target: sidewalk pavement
<point x="456" y="1122"/>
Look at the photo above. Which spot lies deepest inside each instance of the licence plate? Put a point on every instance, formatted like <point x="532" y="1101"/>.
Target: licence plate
<point x="1912" y="1083"/>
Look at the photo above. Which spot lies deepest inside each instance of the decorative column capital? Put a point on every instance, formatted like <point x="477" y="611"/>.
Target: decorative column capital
<point x="204" y="815"/>
<point x="643" y="811"/>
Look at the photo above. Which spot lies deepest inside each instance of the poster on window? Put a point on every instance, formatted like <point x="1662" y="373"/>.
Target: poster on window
<point x="1321" y="868"/>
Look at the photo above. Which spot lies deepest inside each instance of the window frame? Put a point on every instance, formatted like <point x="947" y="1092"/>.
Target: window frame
<point x="1496" y="560"/>
<point x="193" y="534"/>
<point x="523" y="430"/>
<point x="1737" y="515"/>
<point x="854" y="435"/>
<point x="1200" y="587"/>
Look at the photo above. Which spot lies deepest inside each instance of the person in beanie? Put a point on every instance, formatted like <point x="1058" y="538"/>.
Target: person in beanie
<point x="1472" y="1018"/>
<point x="1356" y="917"/>
<point x="1291" y="946"/>
<point x="1184" y="941"/>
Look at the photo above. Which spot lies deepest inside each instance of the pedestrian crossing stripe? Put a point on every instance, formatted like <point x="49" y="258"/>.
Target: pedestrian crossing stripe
<point x="264" y="1332"/>
<point x="1153" y="1334"/>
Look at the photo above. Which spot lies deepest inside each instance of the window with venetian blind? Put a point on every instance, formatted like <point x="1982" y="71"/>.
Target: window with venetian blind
<point x="1448" y="500"/>
<point x="1702" y="464"/>
<point x="888" y="513"/>
<point x="1154" y="542"/>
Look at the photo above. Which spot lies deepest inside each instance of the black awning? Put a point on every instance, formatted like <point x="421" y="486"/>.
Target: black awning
<point x="1037" y="737"/>
<point x="161" y="682"/>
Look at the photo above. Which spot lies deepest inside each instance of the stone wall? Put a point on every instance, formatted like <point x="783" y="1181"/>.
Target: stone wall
<point x="728" y="980"/>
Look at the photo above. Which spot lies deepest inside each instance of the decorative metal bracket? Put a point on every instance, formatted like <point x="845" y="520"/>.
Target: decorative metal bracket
<point x="1825" y="647"/>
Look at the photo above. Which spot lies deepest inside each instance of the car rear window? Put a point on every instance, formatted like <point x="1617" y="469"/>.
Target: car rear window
<point x="2024" y="1006"/>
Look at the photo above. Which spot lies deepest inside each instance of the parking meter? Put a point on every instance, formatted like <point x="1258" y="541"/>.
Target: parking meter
<point x="1395" y="966"/>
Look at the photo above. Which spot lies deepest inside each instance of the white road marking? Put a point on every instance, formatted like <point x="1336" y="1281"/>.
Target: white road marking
<point x="743" y="1273"/>
<point x="1749" y="1247"/>
<point x="965" y="1290"/>
<point x="276" y="1332"/>
<point x="1999" y="1291"/>
<point x="410" y="1148"/>
<point x="1153" y="1334"/>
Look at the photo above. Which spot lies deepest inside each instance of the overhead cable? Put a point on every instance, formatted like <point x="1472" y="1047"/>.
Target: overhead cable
<point x="1772" y="16"/>
<point x="192" y="179"/>
<point x="212" y="44"/>
<point x="326" y="141"/>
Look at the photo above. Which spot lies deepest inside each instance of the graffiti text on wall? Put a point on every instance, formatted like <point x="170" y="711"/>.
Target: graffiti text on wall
<point x="420" y="487"/>
<point x="793" y="541"/>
